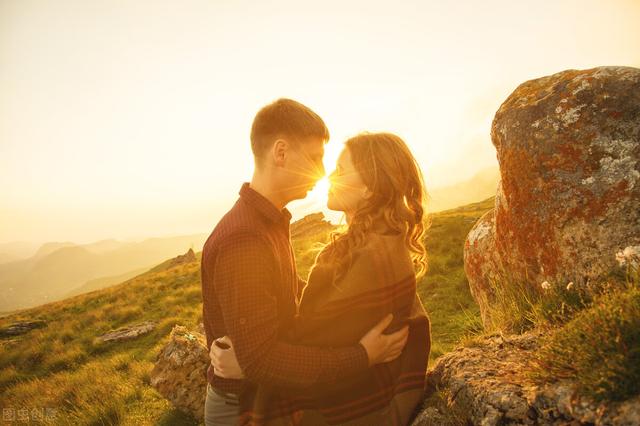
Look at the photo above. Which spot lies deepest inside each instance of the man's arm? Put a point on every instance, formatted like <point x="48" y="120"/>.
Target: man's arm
<point x="244" y="276"/>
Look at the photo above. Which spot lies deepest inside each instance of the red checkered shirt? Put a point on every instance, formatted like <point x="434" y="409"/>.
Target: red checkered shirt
<point x="250" y="288"/>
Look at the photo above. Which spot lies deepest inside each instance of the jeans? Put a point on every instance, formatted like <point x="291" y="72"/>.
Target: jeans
<point x="220" y="409"/>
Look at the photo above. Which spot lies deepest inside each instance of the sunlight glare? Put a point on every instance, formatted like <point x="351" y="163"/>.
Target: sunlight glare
<point x="319" y="194"/>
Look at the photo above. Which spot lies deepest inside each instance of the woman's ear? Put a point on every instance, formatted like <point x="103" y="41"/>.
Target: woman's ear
<point x="367" y="194"/>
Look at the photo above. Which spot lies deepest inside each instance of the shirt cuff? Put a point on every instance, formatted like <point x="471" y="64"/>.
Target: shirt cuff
<point x="353" y="359"/>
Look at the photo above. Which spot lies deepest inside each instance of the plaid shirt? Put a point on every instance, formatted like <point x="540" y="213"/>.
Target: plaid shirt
<point x="250" y="290"/>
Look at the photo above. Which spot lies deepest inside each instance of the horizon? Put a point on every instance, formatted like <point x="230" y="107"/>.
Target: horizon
<point x="118" y="123"/>
<point x="334" y="217"/>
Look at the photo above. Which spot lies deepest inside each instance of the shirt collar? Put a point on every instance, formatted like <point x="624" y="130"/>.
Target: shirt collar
<point x="263" y="205"/>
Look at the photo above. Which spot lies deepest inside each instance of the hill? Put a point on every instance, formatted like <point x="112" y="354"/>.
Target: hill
<point x="62" y="366"/>
<point x="16" y="250"/>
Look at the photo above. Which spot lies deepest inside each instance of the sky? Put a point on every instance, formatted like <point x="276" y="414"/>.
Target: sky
<point x="130" y="119"/>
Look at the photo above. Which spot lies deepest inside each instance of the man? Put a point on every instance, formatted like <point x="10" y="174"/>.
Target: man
<point x="250" y="284"/>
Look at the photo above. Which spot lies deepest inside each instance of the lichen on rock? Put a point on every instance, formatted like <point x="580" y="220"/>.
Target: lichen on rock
<point x="568" y="145"/>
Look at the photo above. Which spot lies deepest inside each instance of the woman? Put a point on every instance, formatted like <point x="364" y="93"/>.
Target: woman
<point x="363" y="274"/>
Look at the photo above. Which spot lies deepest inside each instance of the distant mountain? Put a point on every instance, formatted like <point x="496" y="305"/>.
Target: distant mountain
<point x="104" y="246"/>
<point x="16" y="250"/>
<point x="49" y="248"/>
<point x="58" y="268"/>
<point x="479" y="187"/>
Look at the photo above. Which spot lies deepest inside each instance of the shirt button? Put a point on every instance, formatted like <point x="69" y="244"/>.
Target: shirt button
<point x="242" y="321"/>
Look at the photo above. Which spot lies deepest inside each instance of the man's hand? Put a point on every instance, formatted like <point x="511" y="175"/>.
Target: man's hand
<point x="224" y="361"/>
<point x="384" y="347"/>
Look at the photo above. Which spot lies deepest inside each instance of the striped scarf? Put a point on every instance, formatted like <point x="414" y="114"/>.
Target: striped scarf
<point x="380" y="280"/>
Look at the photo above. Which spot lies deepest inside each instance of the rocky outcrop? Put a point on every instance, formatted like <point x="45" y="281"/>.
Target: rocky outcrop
<point x="486" y="381"/>
<point x="180" y="372"/>
<point x="569" y="196"/>
<point x="310" y="225"/>
<point x="127" y="333"/>
<point x="182" y="259"/>
<point x="21" y="327"/>
<point x="188" y="257"/>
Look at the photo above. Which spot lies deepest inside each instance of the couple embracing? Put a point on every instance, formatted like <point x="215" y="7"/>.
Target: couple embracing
<point x="348" y="346"/>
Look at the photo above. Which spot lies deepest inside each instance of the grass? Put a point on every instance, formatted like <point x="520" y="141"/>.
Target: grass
<point x="62" y="367"/>
<point x="593" y="335"/>
<point x="444" y="290"/>
<point x="592" y="331"/>
<point x="599" y="347"/>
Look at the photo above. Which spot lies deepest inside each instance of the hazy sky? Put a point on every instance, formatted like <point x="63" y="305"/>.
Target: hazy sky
<point x="128" y="119"/>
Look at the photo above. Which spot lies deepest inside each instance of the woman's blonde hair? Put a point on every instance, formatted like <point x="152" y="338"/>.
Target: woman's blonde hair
<point x="398" y="199"/>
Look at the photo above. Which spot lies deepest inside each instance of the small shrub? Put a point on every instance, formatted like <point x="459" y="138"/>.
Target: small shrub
<point x="599" y="348"/>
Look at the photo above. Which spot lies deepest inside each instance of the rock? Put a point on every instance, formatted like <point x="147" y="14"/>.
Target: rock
<point x="487" y="382"/>
<point x="310" y="225"/>
<point x="569" y="195"/>
<point x="188" y="257"/>
<point x="430" y="416"/>
<point x="560" y="398"/>
<point x="180" y="372"/>
<point x="21" y="327"/>
<point x="128" y="332"/>
<point x="182" y="259"/>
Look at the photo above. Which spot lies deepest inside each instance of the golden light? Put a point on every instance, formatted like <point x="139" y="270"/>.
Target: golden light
<point x="316" y="199"/>
<point x="319" y="194"/>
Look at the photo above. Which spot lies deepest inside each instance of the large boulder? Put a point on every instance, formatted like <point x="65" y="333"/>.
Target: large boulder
<point x="568" y="146"/>
<point x="180" y="371"/>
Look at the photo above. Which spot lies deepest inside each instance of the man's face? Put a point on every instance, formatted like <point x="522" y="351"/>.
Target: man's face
<point x="304" y="166"/>
<point x="347" y="189"/>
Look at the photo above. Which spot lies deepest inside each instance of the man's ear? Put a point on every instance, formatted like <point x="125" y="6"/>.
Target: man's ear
<point x="279" y="152"/>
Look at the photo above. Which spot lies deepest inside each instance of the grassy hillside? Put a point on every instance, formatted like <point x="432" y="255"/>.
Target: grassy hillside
<point x="61" y="367"/>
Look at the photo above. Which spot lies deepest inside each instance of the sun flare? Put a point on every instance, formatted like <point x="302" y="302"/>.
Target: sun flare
<point x="319" y="194"/>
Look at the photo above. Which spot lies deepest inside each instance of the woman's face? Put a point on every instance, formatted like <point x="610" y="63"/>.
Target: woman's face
<point x="347" y="190"/>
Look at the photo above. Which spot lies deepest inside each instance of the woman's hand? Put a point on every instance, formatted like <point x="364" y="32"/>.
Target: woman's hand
<point x="224" y="361"/>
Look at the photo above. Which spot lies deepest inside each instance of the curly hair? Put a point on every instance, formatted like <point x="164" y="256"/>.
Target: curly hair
<point x="398" y="200"/>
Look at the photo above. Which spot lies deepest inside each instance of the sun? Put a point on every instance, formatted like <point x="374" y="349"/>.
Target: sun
<point x="320" y="193"/>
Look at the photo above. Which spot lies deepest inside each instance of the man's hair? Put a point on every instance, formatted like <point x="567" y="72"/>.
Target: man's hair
<point x="288" y="119"/>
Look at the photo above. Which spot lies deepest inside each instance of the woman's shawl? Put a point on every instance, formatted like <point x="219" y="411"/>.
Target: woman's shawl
<point x="380" y="280"/>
